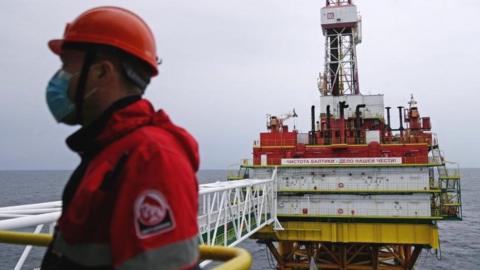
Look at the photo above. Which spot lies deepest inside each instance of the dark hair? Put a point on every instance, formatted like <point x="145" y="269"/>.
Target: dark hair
<point x="134" y="71"/>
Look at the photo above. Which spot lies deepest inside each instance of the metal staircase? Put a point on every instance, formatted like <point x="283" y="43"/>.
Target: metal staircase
<point x="448" y="181"/>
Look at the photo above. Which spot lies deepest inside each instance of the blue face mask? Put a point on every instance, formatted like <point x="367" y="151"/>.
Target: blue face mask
<point x="57" y="96"/>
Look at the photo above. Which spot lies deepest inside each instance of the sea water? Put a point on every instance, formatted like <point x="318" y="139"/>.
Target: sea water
<point x="460" y="241"/>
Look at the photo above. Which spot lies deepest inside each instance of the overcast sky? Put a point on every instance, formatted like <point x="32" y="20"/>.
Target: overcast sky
<point x="227" y="63"/>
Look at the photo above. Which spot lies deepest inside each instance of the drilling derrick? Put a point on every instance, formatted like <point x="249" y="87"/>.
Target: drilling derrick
<point x="341" y="26"/>
<point x="354" y="192"/>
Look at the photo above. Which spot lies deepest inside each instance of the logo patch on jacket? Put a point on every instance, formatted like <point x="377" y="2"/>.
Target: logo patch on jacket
<point x="152" y="214"/>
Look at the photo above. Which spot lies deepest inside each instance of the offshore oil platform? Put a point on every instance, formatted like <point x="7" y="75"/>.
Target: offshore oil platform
<point x="354" y="192"/>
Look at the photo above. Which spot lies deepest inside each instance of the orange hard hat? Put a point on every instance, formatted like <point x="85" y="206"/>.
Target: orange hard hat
<point x="112" y="26"/>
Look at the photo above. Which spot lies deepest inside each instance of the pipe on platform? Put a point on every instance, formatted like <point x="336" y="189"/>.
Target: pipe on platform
<point x="312" y="132"/>
<point x="400" y="116"/>
<point x="343" y="105"/>
<point x="357" y="122"/>
<point x="328" y="131"/>
<point x="389" y="127"/>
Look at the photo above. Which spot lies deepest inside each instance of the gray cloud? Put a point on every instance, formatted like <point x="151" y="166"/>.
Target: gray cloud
<point x="228" y="63"/>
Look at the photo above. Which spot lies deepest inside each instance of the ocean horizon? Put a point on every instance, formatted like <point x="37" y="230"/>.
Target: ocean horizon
<point x="460" y="243"/>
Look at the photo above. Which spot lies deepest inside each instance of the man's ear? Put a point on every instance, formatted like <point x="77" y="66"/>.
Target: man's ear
<point x="104" y="70"/>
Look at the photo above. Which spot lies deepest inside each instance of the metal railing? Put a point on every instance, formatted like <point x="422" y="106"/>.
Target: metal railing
<point x="239" y="171"/>
<point x="452" y="169"/>
<point x="233" y="258"/>
<point x="229" y="213"/>
<point x="29" y="215"/>
<point x="232" y="211"/>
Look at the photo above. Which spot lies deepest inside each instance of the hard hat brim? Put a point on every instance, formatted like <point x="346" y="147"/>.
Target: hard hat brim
<point x="55" y="46"/>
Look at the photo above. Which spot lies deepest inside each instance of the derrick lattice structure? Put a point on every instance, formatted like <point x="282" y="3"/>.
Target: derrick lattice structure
<point x="341" y="27"/>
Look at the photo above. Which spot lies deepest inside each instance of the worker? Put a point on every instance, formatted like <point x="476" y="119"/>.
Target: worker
<point x="132" y="202"/>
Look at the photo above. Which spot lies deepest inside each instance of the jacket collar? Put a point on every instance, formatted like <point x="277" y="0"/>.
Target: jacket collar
<point x="124" y="116"/>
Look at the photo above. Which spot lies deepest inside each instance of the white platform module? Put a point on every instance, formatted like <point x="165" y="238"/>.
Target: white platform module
<point x="261" y="173"/>
<point x="354" y="179"/>
<point x="415" y="205"/>
<point x="374" y="105"/>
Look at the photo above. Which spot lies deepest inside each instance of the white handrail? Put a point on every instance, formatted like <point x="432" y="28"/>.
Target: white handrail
<point x="56" y="204"/>
<point x="29" y="221"/>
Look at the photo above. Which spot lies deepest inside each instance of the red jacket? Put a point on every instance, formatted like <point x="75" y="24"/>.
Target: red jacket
<point x="135" y="203"/>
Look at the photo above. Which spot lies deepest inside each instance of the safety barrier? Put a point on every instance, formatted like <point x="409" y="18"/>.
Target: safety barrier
<point x="232" y="211"/>
<point x="229" y="213"/>
<point x="232" y="258"/>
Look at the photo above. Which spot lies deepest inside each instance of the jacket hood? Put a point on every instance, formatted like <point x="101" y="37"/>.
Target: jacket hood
<point x="185" y="139"/>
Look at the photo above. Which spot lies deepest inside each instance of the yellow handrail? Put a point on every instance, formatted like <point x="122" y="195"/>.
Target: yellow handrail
<point x="233" y="258"/>
<point x="21" y="238"/>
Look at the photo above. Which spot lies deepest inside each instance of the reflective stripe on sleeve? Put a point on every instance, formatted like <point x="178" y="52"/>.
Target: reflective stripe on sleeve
<point x="178" y="255"/>
<point x="86" y="254"/>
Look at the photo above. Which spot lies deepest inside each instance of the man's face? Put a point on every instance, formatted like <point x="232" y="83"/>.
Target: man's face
<point x="72" y="62"/>
<point x="101" y="84"/>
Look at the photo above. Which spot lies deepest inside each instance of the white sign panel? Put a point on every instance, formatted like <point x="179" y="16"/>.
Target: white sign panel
<point x="341" y="161"/>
